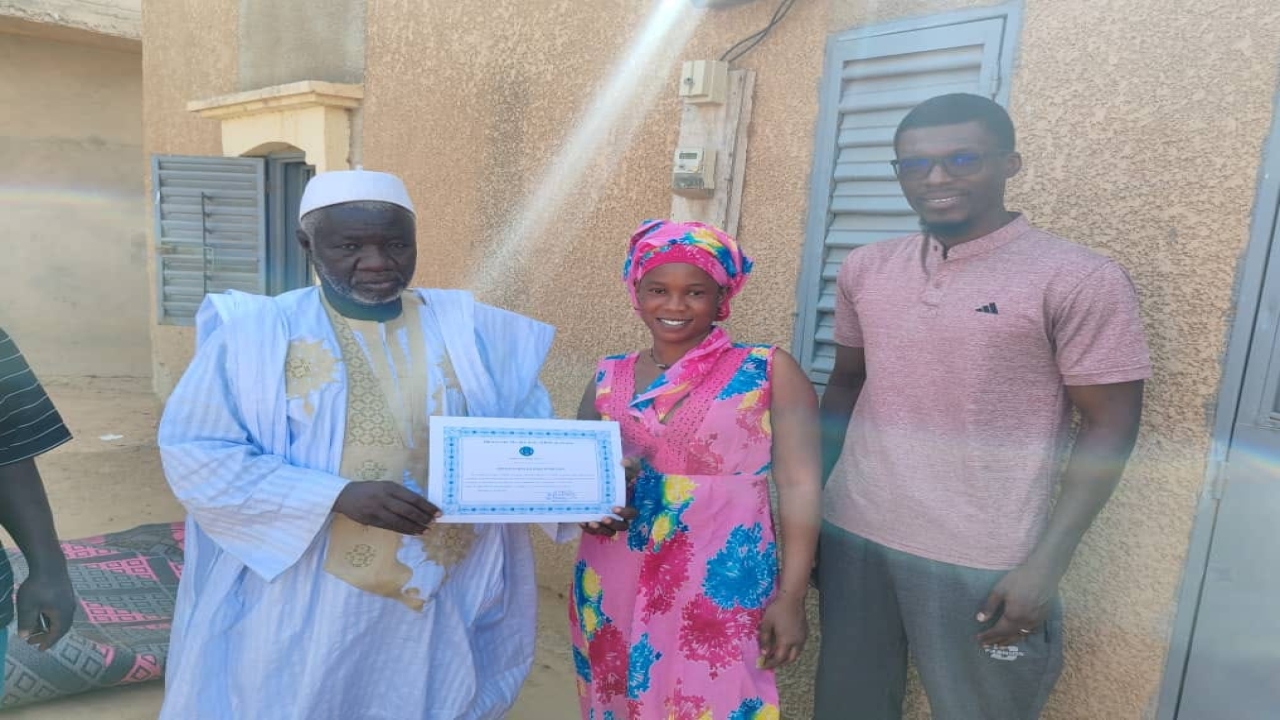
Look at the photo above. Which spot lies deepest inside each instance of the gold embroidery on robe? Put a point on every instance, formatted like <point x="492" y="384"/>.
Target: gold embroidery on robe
<point x="372" y="470"/>
<point x="383" y="445"/>
<point x="369" y="420"/>
<point x="308" y="367"/>
<point x="358" y="554"/>
<point x="448" y="544"/>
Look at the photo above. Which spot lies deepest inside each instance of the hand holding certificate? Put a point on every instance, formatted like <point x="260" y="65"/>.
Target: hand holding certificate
<point x="485" y="470"/>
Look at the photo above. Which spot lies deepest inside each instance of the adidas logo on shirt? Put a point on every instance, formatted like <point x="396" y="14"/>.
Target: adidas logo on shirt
<point x="989" y="308"/>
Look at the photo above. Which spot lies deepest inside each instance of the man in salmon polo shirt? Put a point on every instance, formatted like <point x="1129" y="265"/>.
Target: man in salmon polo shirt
<point x="962" y="351"/>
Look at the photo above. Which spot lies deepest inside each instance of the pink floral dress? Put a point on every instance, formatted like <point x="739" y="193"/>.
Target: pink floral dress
<point x="665" y="616"/>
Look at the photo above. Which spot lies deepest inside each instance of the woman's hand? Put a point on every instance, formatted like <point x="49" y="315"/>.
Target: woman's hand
<point x="783" y="631"/>
<point x="608" y="527"/>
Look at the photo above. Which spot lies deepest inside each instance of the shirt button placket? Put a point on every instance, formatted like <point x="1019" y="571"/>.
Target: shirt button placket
<point x="931" y="297"/>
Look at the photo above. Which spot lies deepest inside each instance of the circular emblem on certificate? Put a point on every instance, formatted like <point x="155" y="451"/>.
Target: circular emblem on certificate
<point x="526" y="451"/>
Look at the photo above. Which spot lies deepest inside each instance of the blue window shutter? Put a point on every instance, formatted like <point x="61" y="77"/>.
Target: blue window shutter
<point x="210" y="229"/>
<point x="871" y="79"/>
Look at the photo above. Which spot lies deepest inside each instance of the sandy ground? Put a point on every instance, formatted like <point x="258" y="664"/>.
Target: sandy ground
<point x="101" y="485"/>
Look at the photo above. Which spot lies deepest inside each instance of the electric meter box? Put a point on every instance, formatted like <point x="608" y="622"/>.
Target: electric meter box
<point x="695" y="172"/>
<point x="704" y="82"/>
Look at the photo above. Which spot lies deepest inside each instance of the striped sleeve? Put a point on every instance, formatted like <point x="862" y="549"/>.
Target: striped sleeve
<point x="29" y="424"/>
<point x="255" y="505"/>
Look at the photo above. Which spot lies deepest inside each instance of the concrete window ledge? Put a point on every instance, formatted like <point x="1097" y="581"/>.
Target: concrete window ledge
<point x="119" y="19"/>
<point x="310" y="115"/>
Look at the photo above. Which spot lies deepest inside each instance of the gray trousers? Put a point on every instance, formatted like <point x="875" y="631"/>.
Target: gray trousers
<point x="878" y="604"/>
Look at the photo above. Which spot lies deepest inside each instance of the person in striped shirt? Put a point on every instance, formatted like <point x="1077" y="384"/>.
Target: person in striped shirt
<point x="30" y="426"/>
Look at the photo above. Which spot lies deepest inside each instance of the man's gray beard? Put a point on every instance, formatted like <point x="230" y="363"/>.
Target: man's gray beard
<point x="346" y="291"/>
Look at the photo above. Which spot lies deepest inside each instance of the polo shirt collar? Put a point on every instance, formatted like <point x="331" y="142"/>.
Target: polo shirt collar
<point x="985" y="244"/>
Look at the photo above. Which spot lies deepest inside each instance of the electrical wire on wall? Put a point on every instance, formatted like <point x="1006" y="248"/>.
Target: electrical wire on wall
<point x="744" y="46"/>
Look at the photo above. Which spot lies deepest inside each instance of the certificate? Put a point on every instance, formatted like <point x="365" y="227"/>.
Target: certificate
<point x="497" y="470"/>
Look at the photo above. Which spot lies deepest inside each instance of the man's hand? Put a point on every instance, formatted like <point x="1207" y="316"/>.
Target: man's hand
<point x="782" y="634"/>
<point x="46" y="606"/>
<point x="386" y="505"/>
<point x="1022" y="599"/>
<point x="608" y="527"/>
<point x="46" y="603"/>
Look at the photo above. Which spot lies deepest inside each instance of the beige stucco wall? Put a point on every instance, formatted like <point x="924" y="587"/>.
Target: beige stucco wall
<point x="73" y="282"/>
<point x="285" y="41"/>
<point x="189" y="53"/>
<point x="1141" y="128"/>
<point x="241" y="45"/>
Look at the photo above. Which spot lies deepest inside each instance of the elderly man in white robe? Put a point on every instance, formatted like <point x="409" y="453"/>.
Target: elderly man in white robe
<point x="316" y="585"/>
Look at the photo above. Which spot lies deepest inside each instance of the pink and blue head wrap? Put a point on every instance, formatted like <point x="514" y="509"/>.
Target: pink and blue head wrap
<point x="658" y="242"/>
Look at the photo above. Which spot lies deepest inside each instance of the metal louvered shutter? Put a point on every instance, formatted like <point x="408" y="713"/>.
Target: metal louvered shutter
<point x="210" y="216"/>
<point x="871" y="80"/>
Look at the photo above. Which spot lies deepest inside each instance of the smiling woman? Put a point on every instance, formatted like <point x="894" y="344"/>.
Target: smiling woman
<point x="678" y="302"/>
<point x="688" y="612"/>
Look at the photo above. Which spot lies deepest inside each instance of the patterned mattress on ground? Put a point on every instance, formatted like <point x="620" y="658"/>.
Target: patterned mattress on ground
<point x="126" y="583"/>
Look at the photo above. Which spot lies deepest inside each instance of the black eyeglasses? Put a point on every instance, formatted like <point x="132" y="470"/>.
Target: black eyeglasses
<point x="961" y="164"/>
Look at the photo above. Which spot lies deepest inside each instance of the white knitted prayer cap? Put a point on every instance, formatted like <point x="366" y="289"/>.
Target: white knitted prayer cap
<point x="359" y="185"/>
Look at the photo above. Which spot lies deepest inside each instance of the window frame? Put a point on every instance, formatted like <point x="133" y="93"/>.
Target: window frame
<point x="281" y="264"/>
<point x="166" y="246"/>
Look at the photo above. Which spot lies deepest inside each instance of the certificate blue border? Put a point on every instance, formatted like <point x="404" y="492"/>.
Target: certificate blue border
<point x="608" y="467"/>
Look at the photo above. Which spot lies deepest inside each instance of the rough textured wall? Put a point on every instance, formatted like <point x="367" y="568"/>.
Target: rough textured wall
<point x="477" y="123"/>
<point x="189" y="53"/>
<point x="1143" y="131"/>
<point x="284" y="41"/>
<point x="73" y="283"/>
